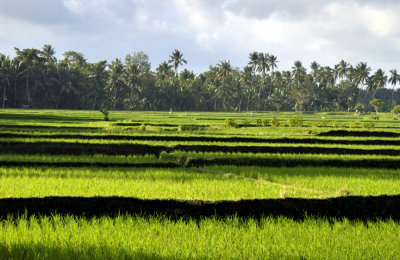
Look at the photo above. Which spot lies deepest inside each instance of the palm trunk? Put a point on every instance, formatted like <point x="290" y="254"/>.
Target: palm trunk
<point x="393" y="97"/>
<point x="248" y="101"/>
<point x="259" y="93"/>
<point x="251" y="89"/>
<point x="15" y="94"/>
<point x="27" y="89"/>
<point x="115" y="98"/>
<point x="94" y="103"/>
<point x="4" y="95"/>
<point x="58" y="100"/>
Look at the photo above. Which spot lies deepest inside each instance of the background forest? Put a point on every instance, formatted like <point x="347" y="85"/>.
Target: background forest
<point x="35" y="78"/>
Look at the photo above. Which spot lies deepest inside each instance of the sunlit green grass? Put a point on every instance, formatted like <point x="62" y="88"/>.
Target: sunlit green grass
<point x="209" y="183"/>
<point x="182" y="184"/>
<point x="195" y="143"/>
<point x="329" y="181"/>
<point x="96" y="158"/>
<point x="138" y="238"/>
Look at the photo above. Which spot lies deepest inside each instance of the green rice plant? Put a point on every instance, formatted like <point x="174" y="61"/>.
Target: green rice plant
<point x="355" y="124"/>
<point x="144" y="183"/>
<point x="336" y="124"/>
<point x="295" y="121"/>
<point x="368" y="125"/>
<point x="230" y="122"/>
<point x="143" y="127"/>
<point x="275" y="122"/>
<point x="245" y="123"/>
<point x="127" y="237"/>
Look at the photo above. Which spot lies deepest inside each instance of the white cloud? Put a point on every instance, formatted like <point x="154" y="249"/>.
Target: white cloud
<point x="210" y="30"/>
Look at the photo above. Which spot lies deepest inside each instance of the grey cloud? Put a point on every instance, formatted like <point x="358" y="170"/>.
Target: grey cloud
<point x="292" y="8"/>
<point x="38" y="11"/>
<point x="263" y="9"/>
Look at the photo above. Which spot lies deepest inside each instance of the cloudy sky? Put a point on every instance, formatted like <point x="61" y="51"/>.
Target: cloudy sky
<point x="207" y="31"/>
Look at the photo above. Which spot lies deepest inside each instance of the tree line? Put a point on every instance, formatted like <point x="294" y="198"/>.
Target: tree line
<point x="35" y="78"/>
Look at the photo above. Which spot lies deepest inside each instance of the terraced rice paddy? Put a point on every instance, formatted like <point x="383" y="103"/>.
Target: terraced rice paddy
<point x="187" y="185"/>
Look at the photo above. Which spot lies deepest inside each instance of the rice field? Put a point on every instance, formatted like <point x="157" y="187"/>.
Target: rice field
<point x="193" y="185"/>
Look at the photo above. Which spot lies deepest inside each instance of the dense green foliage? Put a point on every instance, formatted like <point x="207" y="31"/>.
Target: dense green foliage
<point x="35" y="78"/>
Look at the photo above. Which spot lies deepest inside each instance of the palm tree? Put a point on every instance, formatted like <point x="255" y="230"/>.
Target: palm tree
<point x="98" y="75"/>
<point x="298" y="71"/>
<point x="73" y="58"/>
<point x="246" y="77"/>
<point x="360" y="76"/>
<point x="164" y="76"/>
<point x="29" y="58"/>
<point x="63" y="79"/>
<point x="394" y="79"/>
<point x="5" y="74"/>
<point x="328" y="76"/>
<point x="132" y="78"/>
<point x="48" y="53"/>
<point x="314" y="69"/>
<point x="253" y="62"/>
<point x="272" y="64"/>
<point x="224" y="71"/>
<point x="176" y="59"/>
<point x="342" y="69"/>
<point x="379" y="80"/>
<point x="116" y="80"/>
<point x="272" y="61"/>
<point x="262" y="68"/>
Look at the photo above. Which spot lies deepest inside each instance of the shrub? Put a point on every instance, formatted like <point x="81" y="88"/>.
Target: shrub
<point x="142" y="127"/>
<point x="378" y="104"/>
<point x="275" y="122"/>
<point x="368" y="125"/>
<point x="188" y="128"/>
<point x="355" y="124"/>
<point x="105" y="113"/>
<point x="337" y="125"/>
<point x="246" y="123"/>
<point x="230" y="122"/>
<point x="295" y="121"/>
<point x="262" y="122"/>
<point x="396" y="110"/>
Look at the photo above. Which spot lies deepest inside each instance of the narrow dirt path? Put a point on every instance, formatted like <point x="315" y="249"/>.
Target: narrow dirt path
<point x="321" y="194"/>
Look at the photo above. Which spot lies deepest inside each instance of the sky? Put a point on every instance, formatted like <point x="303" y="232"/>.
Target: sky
<point x="209" y="31"/>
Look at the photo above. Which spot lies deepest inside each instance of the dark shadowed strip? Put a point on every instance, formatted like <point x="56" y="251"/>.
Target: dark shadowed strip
<point x="351" y="207"/>
<point x="202" y="139"/>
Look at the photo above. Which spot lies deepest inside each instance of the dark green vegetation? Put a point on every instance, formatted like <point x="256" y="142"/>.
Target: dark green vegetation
<point x="36" y="79"/>
<point x="198" y="185"/>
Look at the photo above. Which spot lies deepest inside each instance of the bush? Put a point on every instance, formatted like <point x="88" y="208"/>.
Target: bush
<point x="396" y="110"/>
<point x="105" y="113"/>
<point x="369" y="125"/>
<point x="378" y="104"/>
<point x="230" y="122"/>
<point x="337" y="125"/>
<point x="355" y="124"/>
<point x="142" y="127"/>
<point x="295" y="121"/>
<point x="246" y="123"/>
<point x="262" y="122"/>
<point x="275" y="122"/>
<point x="188" y="128"/>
